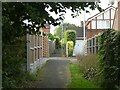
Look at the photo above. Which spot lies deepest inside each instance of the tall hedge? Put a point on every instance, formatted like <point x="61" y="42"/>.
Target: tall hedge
<point x="70" y="48"/>
<point x="70" y="35"/>
<point x="57" y="42"/>
<point x="109" y="57"/>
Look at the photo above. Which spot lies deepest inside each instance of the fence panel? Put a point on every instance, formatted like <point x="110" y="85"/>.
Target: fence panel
<point x="38" y="48"/>
<point x="92" y="44"/>
<point x="51" y="47"/>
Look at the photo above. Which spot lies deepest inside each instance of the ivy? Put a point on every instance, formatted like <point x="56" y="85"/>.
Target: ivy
<point x="109" y="57"/>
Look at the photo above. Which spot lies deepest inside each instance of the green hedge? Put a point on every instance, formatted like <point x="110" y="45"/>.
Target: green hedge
<point x="70" y="48"/>
<point x="70" y="35"/>
<point x="57" y="42"/>
<point x="13" y="64"/>
<point x="109" y="57"/>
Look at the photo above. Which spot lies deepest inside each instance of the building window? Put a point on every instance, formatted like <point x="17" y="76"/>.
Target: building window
<point x="93" y="24"/>
<point x="103" y="24"/>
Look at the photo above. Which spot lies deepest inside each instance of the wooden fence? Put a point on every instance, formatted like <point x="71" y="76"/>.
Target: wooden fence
<point x="38" y="48"/>
<point x="93" y="44"/>
<point x="51" y="47"/>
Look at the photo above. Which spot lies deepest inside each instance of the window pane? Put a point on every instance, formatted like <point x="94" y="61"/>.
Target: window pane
<point x="93" y="25"/>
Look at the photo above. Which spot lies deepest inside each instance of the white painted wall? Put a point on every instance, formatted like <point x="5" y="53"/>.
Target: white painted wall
<point x="79" y="47"/>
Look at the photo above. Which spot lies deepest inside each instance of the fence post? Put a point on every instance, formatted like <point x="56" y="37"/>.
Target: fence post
<point x="28" y="50"/>
<point x="67" y="49"/>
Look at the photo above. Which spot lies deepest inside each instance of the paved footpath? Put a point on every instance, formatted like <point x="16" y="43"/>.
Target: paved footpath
<point x="56" y="74"/>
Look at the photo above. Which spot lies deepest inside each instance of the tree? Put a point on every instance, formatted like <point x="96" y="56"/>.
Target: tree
<point x="58" y="29"/>
<point x="14" y="13"/>
<point x="50" y="36"/>
<point x="13" y="28"/>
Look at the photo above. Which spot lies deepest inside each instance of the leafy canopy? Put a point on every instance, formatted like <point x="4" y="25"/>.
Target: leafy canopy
<point x="58" y="29"/>
<point x="14" y="13"/>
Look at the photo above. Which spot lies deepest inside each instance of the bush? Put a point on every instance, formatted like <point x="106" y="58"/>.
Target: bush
<point x="13" y="64"/>
<point x="50" y="36"/>
<point x="70" y="48"/>
<point x="109" y="57"/>
<point x="70" y="35"/>
<point x="57" y="42"/>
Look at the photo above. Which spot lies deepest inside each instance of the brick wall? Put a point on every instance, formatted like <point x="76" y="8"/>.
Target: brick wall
<point x="92" y="32"/>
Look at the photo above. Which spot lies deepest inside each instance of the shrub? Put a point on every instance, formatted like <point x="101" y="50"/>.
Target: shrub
<point x="70" y="35"/>
<point x="57" y="42"/>
<point x="13" y="64"/>
<point x="109" y="57"/>
<point x="50" y="36"/>
<point x="70" y="48"/>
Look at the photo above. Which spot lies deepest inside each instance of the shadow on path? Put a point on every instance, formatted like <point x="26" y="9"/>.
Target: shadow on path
<point x="56" y="74"/>
<point x="57" y="53"/>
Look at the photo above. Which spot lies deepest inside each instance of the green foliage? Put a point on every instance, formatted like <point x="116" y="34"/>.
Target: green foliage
<point x="13" y="64"/>
<point x="50" y="36"/>
<point x="57" y="42"/>
<point x="62" y="41"/>
<point x="13" y="28"/>
<point x="70" y="48"/>
<point x="87" y="61"/>
<point x="14" y="13"/>
<point x="70" y="35"/>
<point x="109" y="57"/>
<point x="58" y="29"/>
<point x="77" y="79"/>
<point x="89" y="66"/>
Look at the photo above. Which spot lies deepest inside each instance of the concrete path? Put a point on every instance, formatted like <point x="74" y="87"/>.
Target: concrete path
<point x="57" y="53"/>
<point x="56" y="74"/>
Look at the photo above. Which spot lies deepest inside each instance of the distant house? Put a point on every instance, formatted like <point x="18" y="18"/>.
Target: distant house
<point x="100" y="22"/>
<point x="47" y="28"/>
<point x="116" y="22"/>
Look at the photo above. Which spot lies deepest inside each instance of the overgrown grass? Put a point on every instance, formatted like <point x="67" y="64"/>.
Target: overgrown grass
<point x="91" y="61"/>
<point x="88" y="61"/>
<point x="77" y="79"/>
<point x="33" y="78"/>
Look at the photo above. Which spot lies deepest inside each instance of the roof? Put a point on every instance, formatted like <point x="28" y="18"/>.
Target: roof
<point x="79" y="30"/>
<point x="89" y="19"/>
<point x="47" y="25"/>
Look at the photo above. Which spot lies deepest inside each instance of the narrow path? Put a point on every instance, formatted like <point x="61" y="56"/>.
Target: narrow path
<point x="57" y="53"/>
<point x="56" y="74"/>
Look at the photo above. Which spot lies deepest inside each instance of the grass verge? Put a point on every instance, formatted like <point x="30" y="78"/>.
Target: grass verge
<point x="33" y="78"/>
<point x="77" y="80"/>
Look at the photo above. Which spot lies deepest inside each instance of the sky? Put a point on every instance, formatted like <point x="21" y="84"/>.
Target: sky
<point x="78" y="19"/>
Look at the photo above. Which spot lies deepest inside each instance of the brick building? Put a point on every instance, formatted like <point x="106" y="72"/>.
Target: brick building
<point x="116" y="22"/>
<point x="100" y="22"/>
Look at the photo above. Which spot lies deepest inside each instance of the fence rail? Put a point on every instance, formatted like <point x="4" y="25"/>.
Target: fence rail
<point x="38" y="48"/>
<point x="93" y="44"/>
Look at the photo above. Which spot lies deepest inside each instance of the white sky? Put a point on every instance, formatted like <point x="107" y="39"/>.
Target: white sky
<point x="77" y="20"/>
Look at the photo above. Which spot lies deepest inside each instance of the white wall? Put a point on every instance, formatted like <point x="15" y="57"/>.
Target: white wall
<point x="79" y="47"/>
